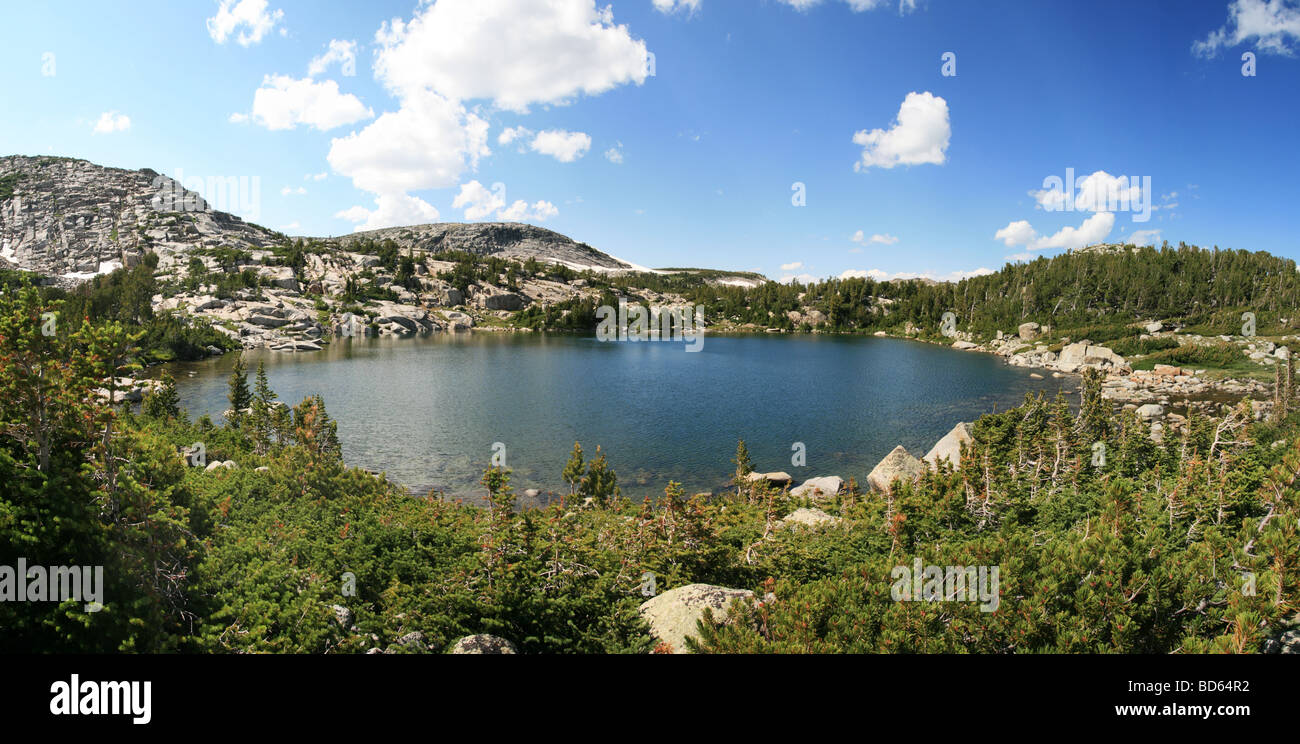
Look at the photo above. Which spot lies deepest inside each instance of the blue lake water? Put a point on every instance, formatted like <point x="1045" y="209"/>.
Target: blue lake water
<point x="428" y="411"/>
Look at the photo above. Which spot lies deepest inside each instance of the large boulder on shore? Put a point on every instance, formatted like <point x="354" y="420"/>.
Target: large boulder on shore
<point x="806" y="517"/>
<point x="673" y="615"/>
<point x="1028" y="331"/>
<point x="824" y="487"/>
<point x="897" y="465"/>
<point x="949" y="447"/>
<point x="482" y="643"/>
<point x="778" y="479"/>
<point x="1083" y="354"/>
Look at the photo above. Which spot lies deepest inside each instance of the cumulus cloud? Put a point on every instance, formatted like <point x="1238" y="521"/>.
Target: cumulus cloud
<point x="112" y="121"/>
<point x="290" y="191"/>
<point x="342" y="53"/>
<point x="615" y="154"/>
<point x="1093" y="230"/>
<point x="883" y="276"/>
<point x="1097" y="192"/>
<point x="564" y="146"/>
<point x="1273" y="25"/>
<point x="673" y="6"/>
<point x="426" y="144"/>
<point x="792" y="266"/>
<point x="510" y="134"/>
<point x="479" y="202"/>
<point x="391" y="210"/>
<point x="250" y="18"/>
<point x="512" y="52"/>
<point x="860" y="238"/>
<point x="283" y="103"/>
<point x="919" y="135"/>
<point x="857" y="6"/>
<point x="1144" y="237"/>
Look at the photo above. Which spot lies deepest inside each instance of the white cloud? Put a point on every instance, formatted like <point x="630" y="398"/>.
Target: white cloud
<point x="391" y="210"/>
<point x="512" y="52"/>
<point x="283" y="103"/>
<point x="883" y="276"/>
<point x="426" y="144"/>
<point x="479" y="202"/>
<point x="520" y="210"/>
<point x="238" y="118"/>
<point x="315" y="177"/>
<point x="883" y="239"/>
<point x="510" y="134"/>
<point x="673" y="6"/>
<point x="792" y="266"/>
<point x="801" y="278"/>
<point x="1093" y="230"/>
<point x="920" y="135"/>
<point x="251" y="16"/>
<point x="857" y="6"/>
<point x="290" y="226"/>
<point x="112" y="121"/>
<point x="290" y="191"/>
<point x="564" y="146"/>
<point x="1273" y="25"/>
<point x="1144" y="237"/>
<point x="342" y="52"/>
<point x="615" y="154"/>
<point x="1094" y="193"/>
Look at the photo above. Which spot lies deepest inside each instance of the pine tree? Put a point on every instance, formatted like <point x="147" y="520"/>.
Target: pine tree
<point x="163" y="402"/>
<point x="600" y="483"/>
<point x="261" y="420"/>
<point x="572" y="473"/>
<point x="239" y="397"/>
<point x="744" y="466"/>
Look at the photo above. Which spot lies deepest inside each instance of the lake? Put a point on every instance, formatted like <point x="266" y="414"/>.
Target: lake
<point x="429" y="411"/>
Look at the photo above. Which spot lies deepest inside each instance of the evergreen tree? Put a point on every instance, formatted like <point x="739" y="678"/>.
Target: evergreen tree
<point x="572" y="473"/>
<point x="163" y="402"/>
<point x="239" y="396"/>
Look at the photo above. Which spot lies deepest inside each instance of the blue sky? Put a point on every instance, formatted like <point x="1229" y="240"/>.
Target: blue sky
<point x="698" y="163"/>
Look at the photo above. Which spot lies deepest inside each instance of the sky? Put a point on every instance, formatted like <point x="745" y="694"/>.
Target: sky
<point x="797" y="138"/>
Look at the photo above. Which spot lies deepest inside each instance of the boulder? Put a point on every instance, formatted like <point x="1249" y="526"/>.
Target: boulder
<point x="673" y="615"/>
<point x="806" y="517"/>
<point x="343" y="616"/>
<point x="963" y="345"/>
<point x="1150" y="411"/>
<point x="778" y="479"/>
<point x="1154" y="327"/>
<point x="483" y="643"/>
<point x="949" y="447"/>
<point x="897" y="465"/>
<point x="817" y="488"/>
<point x="1028" y="331"/>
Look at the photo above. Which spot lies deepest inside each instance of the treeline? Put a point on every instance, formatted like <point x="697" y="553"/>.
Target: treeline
<point x="1206" y="289"/>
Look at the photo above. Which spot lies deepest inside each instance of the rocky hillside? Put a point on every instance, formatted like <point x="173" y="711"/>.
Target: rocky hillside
<point x="504" y="239"/>
<point x="72" y="219"/>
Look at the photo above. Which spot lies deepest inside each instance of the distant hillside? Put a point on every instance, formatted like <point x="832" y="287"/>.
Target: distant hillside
<point x="504" y="239"/>
<point x="73" y="219"/>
